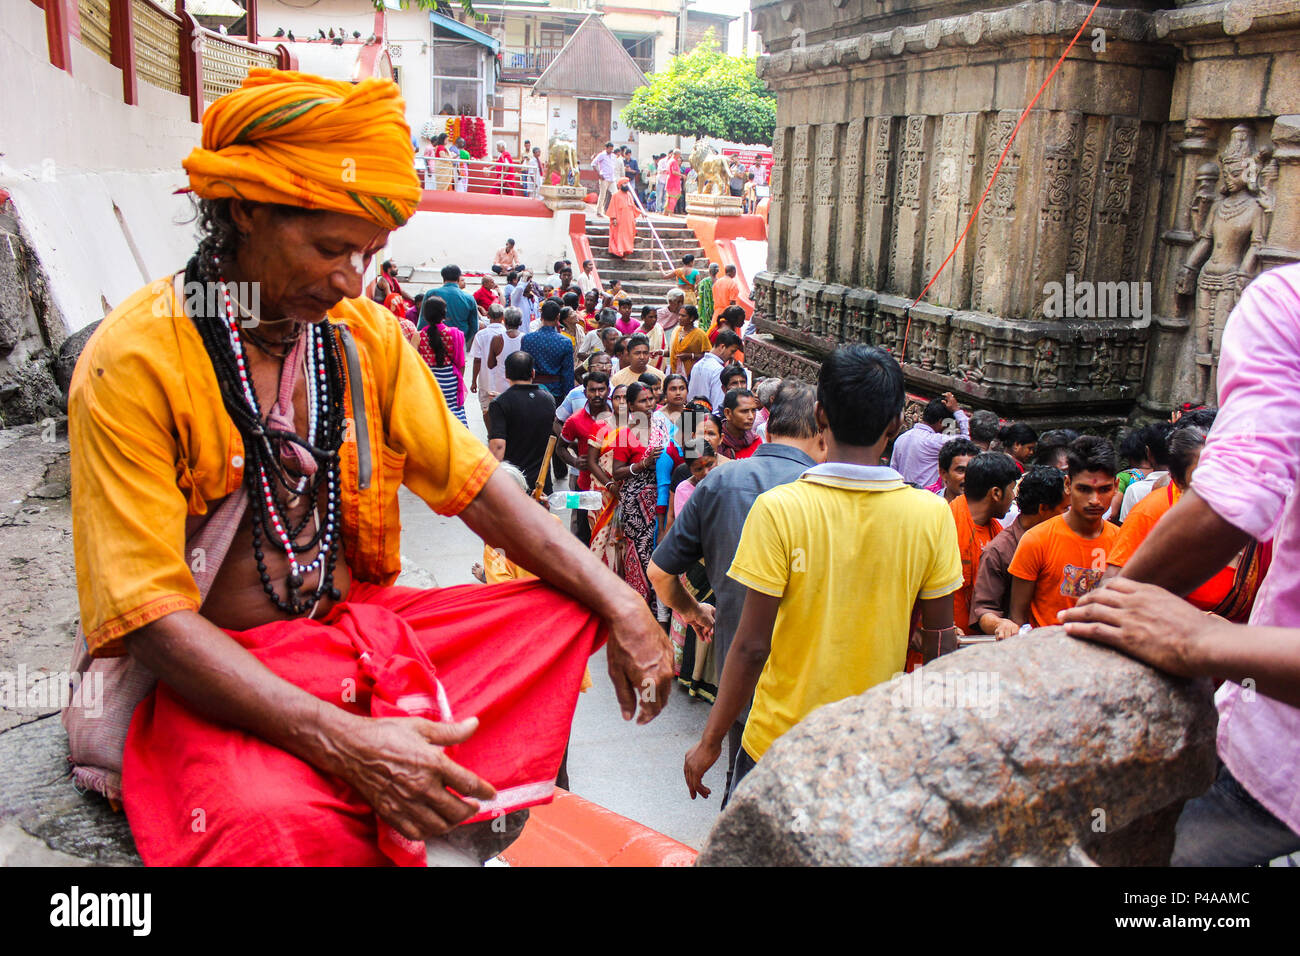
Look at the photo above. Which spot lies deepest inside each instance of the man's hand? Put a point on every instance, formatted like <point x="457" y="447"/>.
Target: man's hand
<point x="698" y="761"/>
<point x="950" y="402"/>
<point x="701" y="618"/>
<point x="1005" y="629"/>
<point x="400" y="768"/>
<point x="640" y="660"/>
<point x="473" y="386"/>
<point x="1141" y="620"/>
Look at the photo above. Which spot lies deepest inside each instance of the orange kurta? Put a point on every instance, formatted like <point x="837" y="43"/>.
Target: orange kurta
<point x="971" y="541"/>
<point x="152" y="446"/>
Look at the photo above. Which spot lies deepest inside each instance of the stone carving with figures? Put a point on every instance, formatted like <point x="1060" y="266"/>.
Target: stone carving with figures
<point x="1226" y="254"/>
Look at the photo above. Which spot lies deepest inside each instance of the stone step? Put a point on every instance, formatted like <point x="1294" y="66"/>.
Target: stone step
<point x="602" y="229"/>
<point x="649" y="252"/>
<point x="648" y="245"/>
<point x="641" y="259"/>
<point x="632" y="275"/>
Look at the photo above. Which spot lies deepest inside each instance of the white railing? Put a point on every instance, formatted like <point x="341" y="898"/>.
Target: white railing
<point x="478" y="175"/>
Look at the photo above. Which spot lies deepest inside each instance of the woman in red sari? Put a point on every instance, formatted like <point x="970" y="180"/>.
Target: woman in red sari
<point x="622" y="214"/>
<point x="507" y="174"/>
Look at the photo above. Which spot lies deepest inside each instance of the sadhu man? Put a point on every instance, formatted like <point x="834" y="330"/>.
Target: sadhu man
<point x="236" y="530"/>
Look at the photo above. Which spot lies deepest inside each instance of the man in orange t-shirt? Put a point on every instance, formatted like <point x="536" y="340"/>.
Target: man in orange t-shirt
<point x="990" y="488"/>
<point x="1064" y="558"/>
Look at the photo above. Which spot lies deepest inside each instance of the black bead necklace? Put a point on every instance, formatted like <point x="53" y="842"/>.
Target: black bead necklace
<point x="273" y="488"/>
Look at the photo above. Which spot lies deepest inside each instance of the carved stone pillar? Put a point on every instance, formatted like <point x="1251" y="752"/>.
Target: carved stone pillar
<point x="910" y="194"/>
<point x="848" y="234"/>
<point x="776" y="212"/>
<point x="824" y="201"/>
<point x="797" y="220"/>
<point x="953" y="193"/>
<point x="1283" y="243"/>
<point x="878" y="211"/>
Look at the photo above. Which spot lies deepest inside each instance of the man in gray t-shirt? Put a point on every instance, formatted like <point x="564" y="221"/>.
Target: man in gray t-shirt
<point x="708" y="528"/>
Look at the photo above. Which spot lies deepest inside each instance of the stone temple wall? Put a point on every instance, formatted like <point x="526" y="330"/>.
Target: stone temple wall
<point x="1140" y="195"/>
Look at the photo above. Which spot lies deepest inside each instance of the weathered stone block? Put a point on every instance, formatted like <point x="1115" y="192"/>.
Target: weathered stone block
<point x="1038" y="750"/>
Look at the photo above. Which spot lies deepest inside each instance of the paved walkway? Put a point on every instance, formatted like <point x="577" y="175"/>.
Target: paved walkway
<point x="635" y="771"/>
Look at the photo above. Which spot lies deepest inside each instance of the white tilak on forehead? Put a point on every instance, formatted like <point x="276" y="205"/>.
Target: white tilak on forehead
<point x="358" y="263"/>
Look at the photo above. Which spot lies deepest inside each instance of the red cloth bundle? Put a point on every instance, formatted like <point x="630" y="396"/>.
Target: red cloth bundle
<point x="513" y="655"/>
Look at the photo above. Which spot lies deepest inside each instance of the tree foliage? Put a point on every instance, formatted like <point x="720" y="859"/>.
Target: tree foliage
<point x="437" y="6"/>
<point x="705" y="93"/>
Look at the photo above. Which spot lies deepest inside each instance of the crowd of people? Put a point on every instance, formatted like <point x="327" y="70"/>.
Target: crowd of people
<point x="773" y="545"/>
<point x="970" y="528"/>
<point x="446" y="164"/>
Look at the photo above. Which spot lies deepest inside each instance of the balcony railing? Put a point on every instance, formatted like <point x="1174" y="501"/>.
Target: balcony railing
<point x="158" y="43"/>
<point x="530" y="62"/>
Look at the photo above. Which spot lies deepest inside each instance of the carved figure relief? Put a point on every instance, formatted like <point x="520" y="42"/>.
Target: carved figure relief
<point x="1102" y="372"/>
<point x="956" y="339"/>
<point x="1046" y="359"/>
<point x="1225" y="256"/>
<point x="972" y="363"/>
<point x="927" y="351"/>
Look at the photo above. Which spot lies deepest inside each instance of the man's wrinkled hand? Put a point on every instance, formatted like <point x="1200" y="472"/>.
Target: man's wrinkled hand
<point x="698" y="761"/>
<point x="400" y="767"/>
<point x="1141" y="620"/>
<point x="640" y="664"/>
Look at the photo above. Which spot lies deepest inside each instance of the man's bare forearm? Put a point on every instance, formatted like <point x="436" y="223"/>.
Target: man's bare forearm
<point x="1187" y="548"/>
<point x="743" y="666"/>
<point x="219" y="678"/>
<point x="506" y="518"/>
<point x="669" y="589"/>
<point x="1267" y="656"/>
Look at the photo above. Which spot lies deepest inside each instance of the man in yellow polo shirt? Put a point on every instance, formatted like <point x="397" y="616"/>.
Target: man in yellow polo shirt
<point x="834" y="564"/>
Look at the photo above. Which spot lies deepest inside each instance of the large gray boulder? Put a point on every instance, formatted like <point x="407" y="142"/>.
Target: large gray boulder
<point x="1038" y="750"/>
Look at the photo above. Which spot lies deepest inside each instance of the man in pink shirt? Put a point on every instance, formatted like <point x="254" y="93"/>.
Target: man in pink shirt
<point x="1247" y="485"/>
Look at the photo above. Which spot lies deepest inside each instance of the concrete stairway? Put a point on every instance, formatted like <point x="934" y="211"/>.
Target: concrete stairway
<point x="641" y="272"/>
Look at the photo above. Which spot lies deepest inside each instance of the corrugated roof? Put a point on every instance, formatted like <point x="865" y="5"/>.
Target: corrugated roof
<point x="592" y="62"/>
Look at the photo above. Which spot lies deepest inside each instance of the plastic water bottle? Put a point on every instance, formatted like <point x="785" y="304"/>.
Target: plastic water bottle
<point x="581" y="500"/>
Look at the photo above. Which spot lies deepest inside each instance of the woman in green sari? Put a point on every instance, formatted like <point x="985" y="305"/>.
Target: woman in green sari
<point x="704" y="292"/>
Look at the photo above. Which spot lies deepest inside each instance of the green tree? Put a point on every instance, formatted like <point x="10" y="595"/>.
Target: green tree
<point x="437" y="6"/>
<point x="705" y="93"/>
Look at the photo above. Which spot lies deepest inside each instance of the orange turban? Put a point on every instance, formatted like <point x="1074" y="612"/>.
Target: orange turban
<point x="297" y="139"/>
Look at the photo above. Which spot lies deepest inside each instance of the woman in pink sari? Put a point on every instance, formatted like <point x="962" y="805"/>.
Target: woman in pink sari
<point x="507" y="174"/>
<point x="623" y="214"/>
<point x="673" y="186"/>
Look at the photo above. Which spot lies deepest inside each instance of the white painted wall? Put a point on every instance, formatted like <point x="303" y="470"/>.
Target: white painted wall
<point x="432" y="240"/>
<point x="79" y="164"/>
<point x="55" y="122"/>
<point x="408" y="29"/>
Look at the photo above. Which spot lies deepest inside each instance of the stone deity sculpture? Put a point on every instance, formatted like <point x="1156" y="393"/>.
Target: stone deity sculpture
<point x="1045" y="364"/>
<point x="1225" y="256"/>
